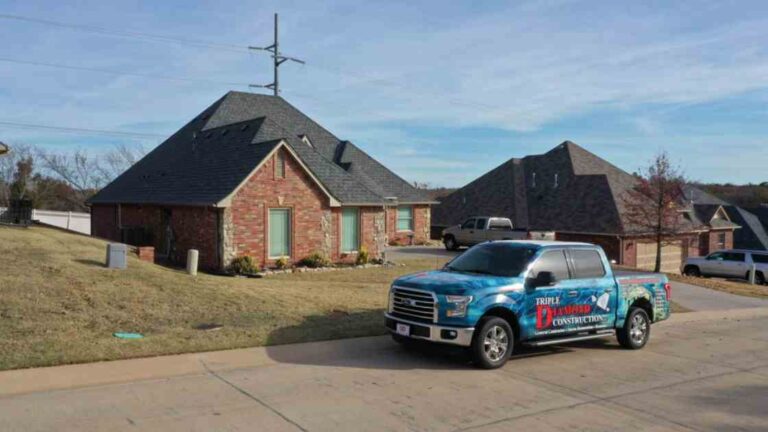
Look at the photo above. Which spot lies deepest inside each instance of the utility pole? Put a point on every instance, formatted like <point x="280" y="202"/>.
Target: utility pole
<point x="278" y="59"/>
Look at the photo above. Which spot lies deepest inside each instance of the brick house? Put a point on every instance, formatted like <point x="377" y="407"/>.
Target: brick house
<point x="753" y="233"/>
<point x="579" y="196"/>
<point x="252" y="175"/>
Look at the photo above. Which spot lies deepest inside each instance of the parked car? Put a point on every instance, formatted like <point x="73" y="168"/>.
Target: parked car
<point x="479" y="229"/>
<point x="503" y="293"/>
<point x="731" y="263"/>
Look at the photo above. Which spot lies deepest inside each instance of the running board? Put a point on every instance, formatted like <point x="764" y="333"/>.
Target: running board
<point x="597" y="335"/>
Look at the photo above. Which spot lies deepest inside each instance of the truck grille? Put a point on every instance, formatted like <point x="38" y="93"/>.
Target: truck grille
<point x="412" y="304"/>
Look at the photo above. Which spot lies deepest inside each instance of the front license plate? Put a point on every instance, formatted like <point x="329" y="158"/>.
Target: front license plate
<point x="403" y="329"/>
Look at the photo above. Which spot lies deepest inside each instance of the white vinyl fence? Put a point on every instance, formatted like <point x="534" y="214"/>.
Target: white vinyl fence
<point x="72" y="221"/>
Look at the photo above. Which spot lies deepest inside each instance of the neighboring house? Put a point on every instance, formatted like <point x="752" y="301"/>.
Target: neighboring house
<point x="252" y="175"/>
<point x="581" y="197"/>
<point x="753" y="221"/>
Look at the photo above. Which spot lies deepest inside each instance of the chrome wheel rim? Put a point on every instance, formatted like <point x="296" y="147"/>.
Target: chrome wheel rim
<point x="638" y="329"/>
<point x="495" y="343"/>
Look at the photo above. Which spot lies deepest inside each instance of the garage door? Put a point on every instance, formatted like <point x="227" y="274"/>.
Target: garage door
<point x="671" y="256"/>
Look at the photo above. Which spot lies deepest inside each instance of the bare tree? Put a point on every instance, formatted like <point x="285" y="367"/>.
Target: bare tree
<point x="86" y="172"/>
<point x="654" y="204"/>
<point x="118" y="160"/>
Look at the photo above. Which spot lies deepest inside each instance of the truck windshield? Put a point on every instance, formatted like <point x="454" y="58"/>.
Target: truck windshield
<point x="497" y="259"/>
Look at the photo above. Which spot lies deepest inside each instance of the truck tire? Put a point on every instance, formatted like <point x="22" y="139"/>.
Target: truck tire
<point x="450" y="243"/>
<point x="492" y="343"/>
<point x="636" y="331"/>
<point x="692" y="271"/>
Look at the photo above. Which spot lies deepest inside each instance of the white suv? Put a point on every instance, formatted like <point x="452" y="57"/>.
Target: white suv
<point x="731" y="263"/>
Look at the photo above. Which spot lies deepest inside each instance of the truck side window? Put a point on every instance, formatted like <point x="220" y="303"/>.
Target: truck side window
<point x="551" y="261"/>
<point x="481" y="223"/>
<point x="734" y="256"/>
<point x="587" y="264"/>
<point x="760" y="258"/>
<point x="468" y="224"/>
<point x="717" y="256"/>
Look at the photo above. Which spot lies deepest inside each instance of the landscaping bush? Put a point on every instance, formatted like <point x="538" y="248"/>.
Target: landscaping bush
<point x="244" y="265"/>
<point x="315" y="260"/>
<point x="362" y="256"/>
<point x="281" y="263"/>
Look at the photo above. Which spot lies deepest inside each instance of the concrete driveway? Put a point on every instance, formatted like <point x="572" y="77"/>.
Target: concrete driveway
<point x="692" y="297"/>
<point x="701" y="371"/>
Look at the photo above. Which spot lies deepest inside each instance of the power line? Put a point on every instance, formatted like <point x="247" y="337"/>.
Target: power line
<point x="240" y="49"/>
<point x="124" y="134"/>
<point x="113" y="72"/>
<point x="278" y="59"/>
<point x="127" y="34"/>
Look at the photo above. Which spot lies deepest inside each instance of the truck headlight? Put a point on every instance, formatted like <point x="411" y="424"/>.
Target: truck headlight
<point x="459" y="305"/>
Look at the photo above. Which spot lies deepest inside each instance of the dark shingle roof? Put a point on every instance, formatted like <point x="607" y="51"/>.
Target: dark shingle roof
<point x="566" y="189"/>
<point x="751" y="235"/>
<point x="207" y="159"/>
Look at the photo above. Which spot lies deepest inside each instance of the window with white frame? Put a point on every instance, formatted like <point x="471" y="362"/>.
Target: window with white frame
<point x="279" y="233"/>
<point x="405" y="218"/>
<point x="350" y="229"/>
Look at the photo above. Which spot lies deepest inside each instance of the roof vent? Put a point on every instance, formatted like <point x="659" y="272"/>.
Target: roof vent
<point x="306" y="140"/>
<point x="245" y="126"/>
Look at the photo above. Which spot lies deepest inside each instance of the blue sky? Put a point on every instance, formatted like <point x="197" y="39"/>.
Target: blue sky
<point x="439" y="91"/>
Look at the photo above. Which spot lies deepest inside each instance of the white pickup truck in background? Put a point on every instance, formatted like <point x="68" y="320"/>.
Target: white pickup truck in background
<point x="479" y="229"/>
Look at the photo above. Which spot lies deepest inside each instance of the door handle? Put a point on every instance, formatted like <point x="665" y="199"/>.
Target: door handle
<point x="608" y="290"/>
<point x="573" y="293"/>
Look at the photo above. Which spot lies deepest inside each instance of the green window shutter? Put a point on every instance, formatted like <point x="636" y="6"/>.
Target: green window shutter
<point x="279" y="232"/>
<point x="350" y="229"/>
<point x="405" y="218"/>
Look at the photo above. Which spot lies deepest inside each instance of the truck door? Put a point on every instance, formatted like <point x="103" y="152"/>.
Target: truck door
<point x="591" y="287"/>
<point x="543" y="303"/>
<point x="481" y="234"/>
<point x="735" y="264"/>
<point x="466" y="231"/>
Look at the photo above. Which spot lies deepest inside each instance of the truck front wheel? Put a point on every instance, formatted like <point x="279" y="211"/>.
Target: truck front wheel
<point x="636" y="330"/>
<point x="450" y="243"/>
<point x="493" y="342"/>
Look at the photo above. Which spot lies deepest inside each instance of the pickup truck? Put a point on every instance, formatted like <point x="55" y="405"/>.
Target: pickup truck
<point x="479" y="229"/>
<point x="731" y="263"/>
<point x="500" y="294"/>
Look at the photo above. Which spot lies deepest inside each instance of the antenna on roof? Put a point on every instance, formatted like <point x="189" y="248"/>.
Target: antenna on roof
<point x="278" y="59"/>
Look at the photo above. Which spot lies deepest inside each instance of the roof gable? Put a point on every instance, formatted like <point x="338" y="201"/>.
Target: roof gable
<point x="208" y="158"/>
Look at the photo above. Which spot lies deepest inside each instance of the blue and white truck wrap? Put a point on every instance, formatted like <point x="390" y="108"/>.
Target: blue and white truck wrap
<point x="499" y="294"/>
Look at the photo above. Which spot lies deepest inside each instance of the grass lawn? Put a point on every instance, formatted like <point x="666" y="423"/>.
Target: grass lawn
<point x="737" y="287"/>
<point x="58" y="304"/>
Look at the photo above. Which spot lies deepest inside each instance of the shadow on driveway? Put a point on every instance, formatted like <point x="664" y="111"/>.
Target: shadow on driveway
<point x="372" y="352"/>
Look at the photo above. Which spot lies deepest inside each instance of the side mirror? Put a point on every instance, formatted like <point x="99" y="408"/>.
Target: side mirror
<point x="543" y="278"/>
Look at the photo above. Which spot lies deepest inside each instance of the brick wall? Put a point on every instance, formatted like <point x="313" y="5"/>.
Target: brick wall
<point x="709" y="241"/>
<point x="296" y="191"/>
<point x="421" y="226"/>
<point x="315" y="226"/>
<point x="192" y="228"/>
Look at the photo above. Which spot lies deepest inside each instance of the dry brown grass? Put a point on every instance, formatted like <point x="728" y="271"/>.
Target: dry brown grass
<point x="737" y="287"/>
<point x="60" y="305"/>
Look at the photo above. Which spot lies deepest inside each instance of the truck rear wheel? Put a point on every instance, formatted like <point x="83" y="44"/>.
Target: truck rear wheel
<point x="493" y="342"/>
<point x="636" y="330"/>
